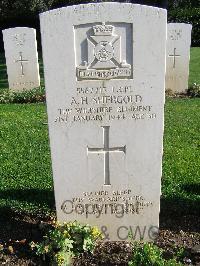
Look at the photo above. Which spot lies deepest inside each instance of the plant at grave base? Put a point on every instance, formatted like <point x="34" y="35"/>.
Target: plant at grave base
<point x="65" y="241"/>
<point x="25" y="96"/>
<point x="180" y="253"/>
<point x="169" y="92"/>
<point x="146" y="254"/>
<point x="194" y="90"/>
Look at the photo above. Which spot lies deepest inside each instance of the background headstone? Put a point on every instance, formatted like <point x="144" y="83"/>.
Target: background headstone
<point x="21" y="58"/>
<point x="178" y="56"/>
<point x="105" y="80"/>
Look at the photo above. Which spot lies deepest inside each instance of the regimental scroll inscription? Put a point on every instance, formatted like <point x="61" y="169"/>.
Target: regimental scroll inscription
<point x="104" y="55"/>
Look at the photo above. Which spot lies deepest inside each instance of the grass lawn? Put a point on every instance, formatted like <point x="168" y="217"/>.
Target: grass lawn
<point x="25" y="175"/>
<point x="181" y="161"/>
<point x="25" y="172"/>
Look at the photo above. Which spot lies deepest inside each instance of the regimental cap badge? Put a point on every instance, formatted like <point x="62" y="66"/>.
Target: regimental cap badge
<point x="104" y="55"/>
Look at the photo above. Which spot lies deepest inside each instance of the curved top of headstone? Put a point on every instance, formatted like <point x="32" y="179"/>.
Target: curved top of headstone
<point x="18" y="29"/>
<point x="180" y="24"/>
<point x="83" y="8"/>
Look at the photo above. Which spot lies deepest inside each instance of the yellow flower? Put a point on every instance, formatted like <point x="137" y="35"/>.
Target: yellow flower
<point x="46" y="249"/>
<point x="69" y="224"/>
<point x="32" y="244"/>
<point x="96" y="233"/>
<point x="60" y="259"/>
<point x="57" y="224"/>
<point x="66" y="234"/>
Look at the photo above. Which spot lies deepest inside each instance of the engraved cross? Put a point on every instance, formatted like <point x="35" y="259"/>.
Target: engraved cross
<point x="21" y="60"/>
<point x="106" y="151"/>
<point x="174" y="55"/>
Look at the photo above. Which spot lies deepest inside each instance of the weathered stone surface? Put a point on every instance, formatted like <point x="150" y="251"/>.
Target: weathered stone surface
<point x="104" y="76"/>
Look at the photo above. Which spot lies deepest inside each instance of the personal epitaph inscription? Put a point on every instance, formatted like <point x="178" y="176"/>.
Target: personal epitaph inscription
<point x="21" y="58"/>
<point x="105" y="102"/>
<point x="178" y="56"/>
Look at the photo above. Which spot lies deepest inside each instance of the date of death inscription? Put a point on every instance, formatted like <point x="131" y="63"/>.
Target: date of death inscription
<point x="104" y="104"/>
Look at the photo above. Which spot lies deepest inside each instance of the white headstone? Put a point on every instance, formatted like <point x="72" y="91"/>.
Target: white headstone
<point x="104" y="75"/>
<point x="21" y="58"/>
<point x="178" y="56"/>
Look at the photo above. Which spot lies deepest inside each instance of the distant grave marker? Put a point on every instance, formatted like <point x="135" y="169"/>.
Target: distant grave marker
<point x="104" y="76"/>
<point x="21" y="58"/>
<point x="178" y="56"/>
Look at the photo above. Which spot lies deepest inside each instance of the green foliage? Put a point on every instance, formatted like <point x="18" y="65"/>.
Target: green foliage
<point x="187" y="15"/>
<point x="148" y="254"/>
<point x="13" y="9"/>
<point x="25" y="96"/>
<point x="172" y="4"/>
<point x="194" y="90"/>
<point x="64" y="241"/>
<point x="180" y="253"/>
